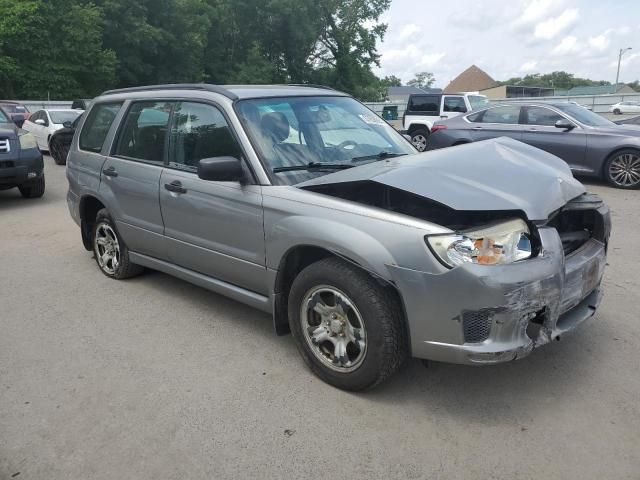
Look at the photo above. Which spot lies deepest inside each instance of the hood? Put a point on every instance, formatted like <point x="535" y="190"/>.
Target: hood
<point x="497" y="174"/>
<point x="8" y="130"/>
<point x="624" y="129"/>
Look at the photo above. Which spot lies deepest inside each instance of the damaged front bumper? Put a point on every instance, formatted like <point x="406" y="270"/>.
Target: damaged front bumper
<point x="479" y="314"/>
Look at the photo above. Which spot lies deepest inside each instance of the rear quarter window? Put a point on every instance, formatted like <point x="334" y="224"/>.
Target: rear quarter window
<point x="96" y="127"/>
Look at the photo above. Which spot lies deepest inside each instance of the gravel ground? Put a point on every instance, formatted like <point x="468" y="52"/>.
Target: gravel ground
<point x="154" y="378"/>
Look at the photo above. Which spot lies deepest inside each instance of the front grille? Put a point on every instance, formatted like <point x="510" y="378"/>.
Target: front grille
<point x="7" y="164"/>
<point x="575" y="228"/>
<point x="476" y="326"/>
<point x="5" y="146"/>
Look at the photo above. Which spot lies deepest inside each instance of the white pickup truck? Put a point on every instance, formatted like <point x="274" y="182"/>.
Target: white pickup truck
<point x="423" y="110"/>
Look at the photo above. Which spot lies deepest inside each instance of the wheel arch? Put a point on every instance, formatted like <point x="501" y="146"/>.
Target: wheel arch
<point x="90" y="205"/>
<point x="299" y="257"/>
<point x="618" y="149"/>
<point x="418" y="126"/>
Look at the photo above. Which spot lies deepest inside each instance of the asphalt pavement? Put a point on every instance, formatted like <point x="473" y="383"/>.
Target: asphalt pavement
<point x="154" y="378"/>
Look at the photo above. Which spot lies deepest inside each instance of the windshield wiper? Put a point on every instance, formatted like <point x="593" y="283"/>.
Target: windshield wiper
<point x="314" y="166"/>
<point x="378" y="156"/>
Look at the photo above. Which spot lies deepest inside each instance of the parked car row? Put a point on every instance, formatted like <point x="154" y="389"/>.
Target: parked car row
<point x="589" y="143"/>
<point x="423" y="110"/>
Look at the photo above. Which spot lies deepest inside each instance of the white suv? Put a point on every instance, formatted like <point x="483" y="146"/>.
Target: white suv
<point x="425" y="109"/>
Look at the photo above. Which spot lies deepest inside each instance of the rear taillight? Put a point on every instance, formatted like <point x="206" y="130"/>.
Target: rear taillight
<point x="435" y="128"/>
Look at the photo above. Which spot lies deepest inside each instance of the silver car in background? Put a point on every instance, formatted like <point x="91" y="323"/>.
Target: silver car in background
<point x="303" y="203"/>
<point x="589" y="143"/>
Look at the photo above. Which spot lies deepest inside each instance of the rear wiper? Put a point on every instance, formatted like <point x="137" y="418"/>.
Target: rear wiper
<point x="314" y="166"/>
<point x="378" y="156"/>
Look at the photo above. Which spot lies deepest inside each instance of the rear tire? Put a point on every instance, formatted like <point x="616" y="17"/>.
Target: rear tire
<point x="336" y="307"/>
<point x="617" y="111"/>
<point x="419" y="138"/>
<point x="33" y="189"/>
<point x="58" y="151"/>
<point x="622" y="169"/>
<point x="110" y="251"/>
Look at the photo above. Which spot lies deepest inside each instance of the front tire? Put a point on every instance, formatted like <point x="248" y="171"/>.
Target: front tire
<point x="348" y="328"/>
<point x="622" y="169"/>
<point x="617" y="111"/>
<point x="33" y="189"/>
<point x="110" y="251"/>
<point x="419" y="139"/>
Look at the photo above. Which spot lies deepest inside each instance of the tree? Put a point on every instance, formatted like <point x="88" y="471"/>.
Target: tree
<point x="99" y="44"/>
<point x="392" y="81"/>
<point x="422" y="80"/>
<point x="75" y="66"/>
<point x="559" y="80"/>
<point x="346" y="49"/>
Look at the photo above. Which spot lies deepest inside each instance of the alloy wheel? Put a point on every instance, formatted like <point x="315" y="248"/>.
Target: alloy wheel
<point x="333" y="328"/>
<point x="107" y="248"/>
<point x="420" y="142"/>
<point x="624" y="170"/>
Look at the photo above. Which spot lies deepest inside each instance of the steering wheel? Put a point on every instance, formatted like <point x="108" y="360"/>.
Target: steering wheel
<point x="346" y="144"/>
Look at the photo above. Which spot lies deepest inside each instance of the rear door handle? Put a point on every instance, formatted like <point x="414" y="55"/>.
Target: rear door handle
<point x="476" y="128"/>
<point x="175" y="186"/>
<point x="110" y="172"/>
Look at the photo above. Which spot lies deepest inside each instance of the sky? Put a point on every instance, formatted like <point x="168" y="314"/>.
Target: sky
<point x="511" y="38"/>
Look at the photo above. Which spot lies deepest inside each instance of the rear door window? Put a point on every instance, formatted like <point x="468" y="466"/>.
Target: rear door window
<point x="509" y="114"/>
<point x="96" y="127"/>
<point x="143" y="134"/>
<point x="454" y="104"/>
<point x="425" y="104"/>
<point x="541" y="116"/>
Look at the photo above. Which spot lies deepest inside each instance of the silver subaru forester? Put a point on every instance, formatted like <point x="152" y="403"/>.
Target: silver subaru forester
<point x="300" y="201"/>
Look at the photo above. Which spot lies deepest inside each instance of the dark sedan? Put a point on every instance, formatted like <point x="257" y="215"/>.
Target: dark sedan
<point x="589" y="143"/>
<point x="60" y="141"/>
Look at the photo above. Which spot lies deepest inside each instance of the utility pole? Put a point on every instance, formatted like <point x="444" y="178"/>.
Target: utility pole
<point x="622" y="52"/>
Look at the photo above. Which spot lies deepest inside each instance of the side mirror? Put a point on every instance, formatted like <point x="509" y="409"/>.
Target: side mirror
<point x="221" y="169"/>
<point x="67" y="124"/>
<point x="39" y="121"/>
<point x="565" y="124"/>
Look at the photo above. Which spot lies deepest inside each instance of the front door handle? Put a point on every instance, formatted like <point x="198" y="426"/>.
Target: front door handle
<point x="175" y="186"/>
<point x="476" y="128"/>
<point x="110" y="172"/>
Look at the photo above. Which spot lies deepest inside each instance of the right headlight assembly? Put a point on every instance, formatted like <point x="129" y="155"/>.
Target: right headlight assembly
<point x="27" y="140"/>
<point x="502" y="243"/>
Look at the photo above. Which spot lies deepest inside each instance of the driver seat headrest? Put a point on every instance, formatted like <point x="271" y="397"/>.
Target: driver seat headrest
<point x="276" y="126"/>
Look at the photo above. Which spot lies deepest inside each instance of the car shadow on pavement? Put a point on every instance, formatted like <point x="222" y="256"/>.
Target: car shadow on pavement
<point x="511" y="392"/>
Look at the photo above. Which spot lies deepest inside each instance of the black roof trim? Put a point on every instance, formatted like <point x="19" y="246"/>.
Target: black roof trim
<point x="176" y="86"/>
<point x="310" y="85"/>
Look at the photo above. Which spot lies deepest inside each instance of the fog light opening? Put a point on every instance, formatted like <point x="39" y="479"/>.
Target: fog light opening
<point x="535" y="323"/>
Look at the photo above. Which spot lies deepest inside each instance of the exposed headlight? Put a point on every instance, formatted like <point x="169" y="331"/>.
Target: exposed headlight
<point x="503" y="243"/>
<point x="27" y="141"/>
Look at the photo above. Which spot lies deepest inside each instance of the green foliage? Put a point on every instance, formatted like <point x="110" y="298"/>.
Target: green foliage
<point x="53" y="48"/>
<point x="560" y="80"/>
<point x="392" y="81"/>
<point x="422" y="80"/>
<point x="635" y="85"/>
<point x="77" y="48"/>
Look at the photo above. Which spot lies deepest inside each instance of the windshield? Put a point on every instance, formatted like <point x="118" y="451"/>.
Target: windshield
<point x="324" y="133"/>
<point x="61" y="116"/>
<point x="584" y="116"/>
<point x="478" y="101"/>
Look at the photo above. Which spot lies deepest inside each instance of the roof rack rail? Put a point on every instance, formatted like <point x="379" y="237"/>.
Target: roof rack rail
<point x="312" y="85"/>
<point x="176" y="86"/>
